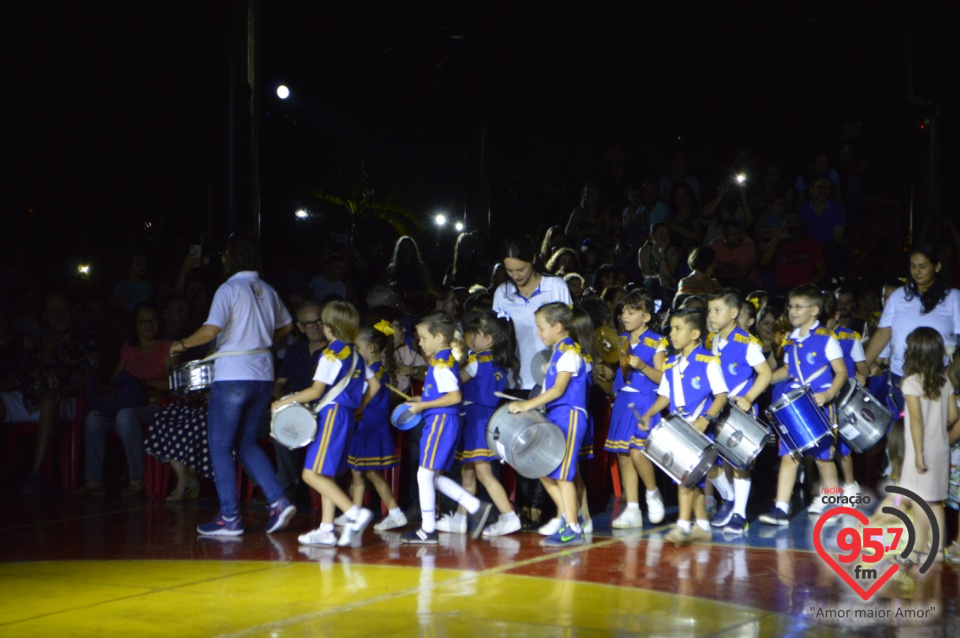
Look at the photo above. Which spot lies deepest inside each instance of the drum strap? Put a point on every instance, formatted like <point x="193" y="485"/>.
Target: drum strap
<point x="234" y="353"/>
<point x="810" y="379"/>
<point x="338" y="387"/>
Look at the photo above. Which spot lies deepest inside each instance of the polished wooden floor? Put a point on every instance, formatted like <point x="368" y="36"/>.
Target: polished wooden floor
<point x="104" y="567"/>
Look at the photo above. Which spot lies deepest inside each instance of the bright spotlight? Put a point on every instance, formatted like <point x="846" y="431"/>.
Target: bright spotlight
<point x="301" y="214"/>
<point x="459" y="227"/>
<point x="440" y="220"/>
<point x="283" y="92"/>
<point x="83" y="269"/>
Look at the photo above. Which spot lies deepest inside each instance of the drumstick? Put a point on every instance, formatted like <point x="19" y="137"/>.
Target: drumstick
<point x="406" y="397"/>
<point x="506" y="396"/>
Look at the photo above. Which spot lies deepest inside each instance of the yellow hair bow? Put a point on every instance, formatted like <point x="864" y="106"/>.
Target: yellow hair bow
<point x="756" y="302"/>
<point x="384" y="327"/>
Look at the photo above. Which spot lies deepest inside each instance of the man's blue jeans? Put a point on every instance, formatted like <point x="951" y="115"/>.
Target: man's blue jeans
<point x="233" y="416"/>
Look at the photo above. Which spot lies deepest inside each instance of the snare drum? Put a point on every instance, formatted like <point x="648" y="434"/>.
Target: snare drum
<point x="740" y="438"/>
<point x="293" y="425"/>
<point x="194" y="376"/>
<point x="680" y="450"/>
<point x="800" y="422"/>
<point x="528" y="442"/>
<point x="863" y="420"/>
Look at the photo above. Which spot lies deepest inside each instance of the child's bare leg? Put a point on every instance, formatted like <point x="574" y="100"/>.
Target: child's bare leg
<point x="828" y="474"/>
<point x="787" y="478"/>
<point x="330" y="491"/>
<point x="685" y="497"/>
<point x="468" y="480"/>
<point x="568" y="498"/>
<point x="644" y="468"/>
<point x="583" y="507"/>
<point x="382" y="488"/>
<point x="498" y="495"/>
<point x="357" y="487"/>
<point x="846" y="467"/>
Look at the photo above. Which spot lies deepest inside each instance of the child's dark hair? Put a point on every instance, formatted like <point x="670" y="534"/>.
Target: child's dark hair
<point x="500" y="330"/>
<point x="582" y="331"/>
<point x="731" y="297"/>
<point x="809" y="292"/>
<point x="693" y="317"/>
<point x="556" y="312"/>
<point x="598" y="310"/>
<point x="829" y="308"/>
<point x="440" y="323"/>
<point x="701" y="258"/>
<point x="924" y="356"/>
<point x="638" y="300"/>
<point x="383" y="344"/>
<point x="750" y="311"/>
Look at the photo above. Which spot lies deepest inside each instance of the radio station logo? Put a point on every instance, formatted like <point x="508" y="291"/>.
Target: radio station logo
<point x="864" y="579"/>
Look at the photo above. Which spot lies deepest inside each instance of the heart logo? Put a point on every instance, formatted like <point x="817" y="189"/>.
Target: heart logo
<point x="864" y="594"/>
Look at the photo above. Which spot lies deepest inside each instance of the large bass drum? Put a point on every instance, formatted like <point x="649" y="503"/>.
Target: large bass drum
<point x="680" y="450"/>
<point x="527" y="442"/>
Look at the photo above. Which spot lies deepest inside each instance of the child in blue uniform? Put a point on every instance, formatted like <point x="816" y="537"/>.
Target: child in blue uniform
<point x="747" y="375"/>
<point x="440" y="405"/>
<point x="564" y="396"/>
<point x="811" y="357"/>
<point x="373" y="449"/>
<point x="642" y="354"/>
<point x="693" y="388"/>
<point x="491" y="362"/>
<point x="326" y="456"/>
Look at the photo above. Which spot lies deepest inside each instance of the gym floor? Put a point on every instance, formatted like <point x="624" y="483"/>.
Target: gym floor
<point x="104" y="567"/>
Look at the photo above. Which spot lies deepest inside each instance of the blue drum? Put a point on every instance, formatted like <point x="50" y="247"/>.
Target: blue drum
<point x="800" y="422"/>
<point x="403" y="419"/>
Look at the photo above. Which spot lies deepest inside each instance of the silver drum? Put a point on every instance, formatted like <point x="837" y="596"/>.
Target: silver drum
<point x="680" y="450"/>
<point x="194" y="376"/>
<point x="740" y="438"/>
<point x="293" y="425"/>
<point x="527" y="442"/>
<point x="862" y="419"/>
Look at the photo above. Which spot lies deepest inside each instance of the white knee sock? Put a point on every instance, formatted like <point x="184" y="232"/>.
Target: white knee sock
<point x="428" y="499"/>
<point x="724" y="488"/>
<point x="452" y="489"/>
<point x="741" y="488"/>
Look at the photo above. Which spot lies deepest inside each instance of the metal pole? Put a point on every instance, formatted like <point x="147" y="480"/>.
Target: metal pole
<point x="252" y="33"/>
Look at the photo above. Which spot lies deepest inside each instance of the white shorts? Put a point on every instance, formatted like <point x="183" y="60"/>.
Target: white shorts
<point x="17" y="412"/>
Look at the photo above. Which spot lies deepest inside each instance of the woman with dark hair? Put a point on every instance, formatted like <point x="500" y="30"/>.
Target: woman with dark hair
<point x="659" y="260"/>
<point x="407" y="271"/>
<point x="924" y="301"/>
<point x="553" y="240"/>
<point x="563" y="261"/>
<point x="246" y="318"/>
<point x="469" y="265"/>
<point x="684" y="219"/>
<point x="589" y="220"/>
<point x="702" y="262"/>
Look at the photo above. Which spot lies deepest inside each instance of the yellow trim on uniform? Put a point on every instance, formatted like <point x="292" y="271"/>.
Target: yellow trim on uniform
<point x="436" y="441"/>
<point x="325" y="439"/>
<point x="571" y="437"/>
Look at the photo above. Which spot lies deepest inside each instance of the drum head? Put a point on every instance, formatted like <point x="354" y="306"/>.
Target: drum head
<point x="293" y="425"/>
<point x="538" y="366"/>
<point x="403" y="419"/>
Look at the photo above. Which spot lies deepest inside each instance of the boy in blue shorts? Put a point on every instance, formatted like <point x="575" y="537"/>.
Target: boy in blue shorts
<point x="440" y="405"/>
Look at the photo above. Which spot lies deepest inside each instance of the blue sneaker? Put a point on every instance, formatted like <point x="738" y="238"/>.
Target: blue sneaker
<point x="723" y="514"/>
<point x="775" y="516"/>
<point x="222" y="527"/>
<point x="564" y="537"/>
<point x="280" y="515"/>
<point x="737" y="526"/>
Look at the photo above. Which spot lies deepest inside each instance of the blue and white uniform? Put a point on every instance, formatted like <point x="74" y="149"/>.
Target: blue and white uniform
<point x="568" y="411"/>
<point x="441" y="430"/>
<point x="373" y="447"/>
<point x="637" y="390"/>
<point x="479" y="404"/>
<point x="327" y="454"/>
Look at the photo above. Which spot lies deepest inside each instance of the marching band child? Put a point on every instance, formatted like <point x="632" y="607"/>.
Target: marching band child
<point x="811" y="357"/>
<point x="440" y="405"/>
<point x="339" y="379"/>
<point x="747" y="375"/>
<point x="564" y="395"/>
<point x="643" y="354"/>
<point x="491" y="361"/>
<point x="856" y="362"/>
<point x="373" y="449"/>
<point x="692" y="379"/>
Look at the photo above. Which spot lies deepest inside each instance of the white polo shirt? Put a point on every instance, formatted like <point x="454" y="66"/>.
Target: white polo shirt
<point x="521" y="311"/>
<point x="248" y="312"/>
<point x="903" y="317"/>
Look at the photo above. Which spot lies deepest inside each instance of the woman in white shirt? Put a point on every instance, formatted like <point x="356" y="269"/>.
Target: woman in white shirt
<point x="924" y="301"/>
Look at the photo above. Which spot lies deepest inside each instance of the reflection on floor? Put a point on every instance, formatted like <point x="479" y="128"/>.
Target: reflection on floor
<point x="100" y="567"/>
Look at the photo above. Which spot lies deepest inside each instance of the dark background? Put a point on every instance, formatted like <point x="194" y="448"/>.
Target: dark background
<point x="114" y="116"/>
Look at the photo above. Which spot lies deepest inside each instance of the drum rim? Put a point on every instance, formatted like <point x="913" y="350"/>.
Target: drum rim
<point x="786" y="399"/>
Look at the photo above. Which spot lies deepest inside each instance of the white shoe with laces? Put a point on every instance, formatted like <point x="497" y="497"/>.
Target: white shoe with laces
<point x="551" y="527"/>
<point x="655" y="509"/>
<point x="391" y="522"/>
<point x="628" y="519"/>
<point x="503" y="527"/>
<point x="449" y="525"/>
<point x="317" y="538"/>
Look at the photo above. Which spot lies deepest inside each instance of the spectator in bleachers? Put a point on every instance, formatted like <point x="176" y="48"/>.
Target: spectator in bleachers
<point x="408" y="273"/>
<point x="679" y="174"/>
<point x="685" y="216"/>
<point x="736" y="258"/>
<point x="553" y="240"/>
<point x="590" y="220"/>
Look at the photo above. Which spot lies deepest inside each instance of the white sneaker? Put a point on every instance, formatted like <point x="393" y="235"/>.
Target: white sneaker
<point x="629" y="519"/>
<point x="341" y="521"/>
<point x="655" y="508"/>
<point x="447" y="524"/>
<point x="551" y="527"/>
<point x="503" y="527"/>
<point x="316" y="538"/>
<point x="586" y="525"/>
<point x="852" y="490"/>
<point x="391" y="522"/>
<point x="816" y="507"/>
<point x="355" y="528"/>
